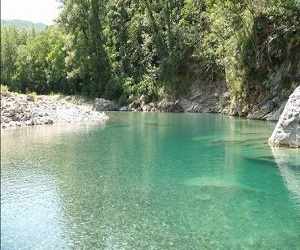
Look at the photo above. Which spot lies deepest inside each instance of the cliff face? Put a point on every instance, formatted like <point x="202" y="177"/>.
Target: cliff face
<point x="287" y="131"/>
<point x="215" y="97"/>
<point x="264" y="87"/>
<point x="209" y="97"/>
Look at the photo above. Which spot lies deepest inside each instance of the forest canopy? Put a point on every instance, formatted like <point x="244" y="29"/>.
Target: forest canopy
<point x="121" y="48"/>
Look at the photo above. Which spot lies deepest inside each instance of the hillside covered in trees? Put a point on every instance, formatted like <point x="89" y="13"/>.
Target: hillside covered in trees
<point x="157" y="48"/>
<point x="23" y="24"/>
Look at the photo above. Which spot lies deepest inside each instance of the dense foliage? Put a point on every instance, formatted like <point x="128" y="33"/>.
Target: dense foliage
<point x="33" y="61"/>
<point x="119" y="48"/>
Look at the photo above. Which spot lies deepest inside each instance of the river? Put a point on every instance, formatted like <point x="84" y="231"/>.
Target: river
<point x="149" y="181"/>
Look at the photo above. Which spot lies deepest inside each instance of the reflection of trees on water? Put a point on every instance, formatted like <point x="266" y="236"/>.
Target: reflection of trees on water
<point x="45" y="134"/>
<point x="38" y="168"/>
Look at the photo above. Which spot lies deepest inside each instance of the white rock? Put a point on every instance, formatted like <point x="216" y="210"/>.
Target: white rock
<point x="124" y="109"/>
<point x="287" y="130"/>
<point x="17" y="111"/>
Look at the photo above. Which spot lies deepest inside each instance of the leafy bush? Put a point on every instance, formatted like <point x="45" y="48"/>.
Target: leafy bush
<point x="4" y="89"/>
<point x="33" y="96"/>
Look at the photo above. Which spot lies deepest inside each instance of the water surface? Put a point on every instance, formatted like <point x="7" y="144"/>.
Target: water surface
<point x="149" y="181"/>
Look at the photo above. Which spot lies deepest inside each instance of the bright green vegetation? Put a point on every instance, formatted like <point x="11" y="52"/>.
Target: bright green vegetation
<point x="118" y="48"/>
<point x="149" y="181"/>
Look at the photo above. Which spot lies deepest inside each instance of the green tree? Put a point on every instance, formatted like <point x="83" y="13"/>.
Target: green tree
<point x="11" y="39"/>
<point x="40" y="63"/>
<point x="87" y="60"/>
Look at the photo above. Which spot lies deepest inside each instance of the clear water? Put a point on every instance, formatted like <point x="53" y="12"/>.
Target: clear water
<point x="149" y="181"/>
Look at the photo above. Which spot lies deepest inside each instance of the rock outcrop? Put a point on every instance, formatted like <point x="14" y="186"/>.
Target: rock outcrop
<point x="169" y="106"/>
<point x="102" y="104"/>
<point x="166" y="105"/>
<point x="205" y="97"/>
<point x="287" y="130"/>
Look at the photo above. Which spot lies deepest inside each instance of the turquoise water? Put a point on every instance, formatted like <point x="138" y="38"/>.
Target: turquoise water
<point x="149" y="181"/>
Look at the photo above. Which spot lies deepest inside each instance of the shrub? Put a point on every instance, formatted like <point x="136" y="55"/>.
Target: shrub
<point x="4" y="89"/>
<point x="32" y="96"/>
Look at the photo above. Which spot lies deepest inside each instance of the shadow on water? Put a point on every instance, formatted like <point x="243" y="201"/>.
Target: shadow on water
<point x="219" y="183"/>
<point x="113" y="126"/>
<point x="156" y="124"/>
<point x="261" y="161"/>
<point x="239" y="141"/>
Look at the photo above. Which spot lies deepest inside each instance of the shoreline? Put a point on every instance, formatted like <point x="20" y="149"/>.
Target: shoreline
<point x="21" y="110"/>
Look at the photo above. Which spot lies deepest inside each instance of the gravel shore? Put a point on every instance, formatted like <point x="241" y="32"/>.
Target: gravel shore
<point x="18" y="110"/>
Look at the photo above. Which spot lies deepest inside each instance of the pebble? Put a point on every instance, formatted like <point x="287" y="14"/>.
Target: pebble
<point x="19" y="110"/>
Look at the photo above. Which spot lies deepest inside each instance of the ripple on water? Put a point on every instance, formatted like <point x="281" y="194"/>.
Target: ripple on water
<point x="149" y="181"/>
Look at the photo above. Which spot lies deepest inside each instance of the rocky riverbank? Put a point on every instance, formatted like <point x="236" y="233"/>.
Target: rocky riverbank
<point x="140" y="104"/>
<point x="213" y="97"/>
<point x="18" y="110"/>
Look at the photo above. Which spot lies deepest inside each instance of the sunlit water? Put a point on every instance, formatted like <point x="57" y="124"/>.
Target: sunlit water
<point x="149" y="181"/>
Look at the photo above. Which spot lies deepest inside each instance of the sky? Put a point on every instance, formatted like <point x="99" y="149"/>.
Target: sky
<point x="44" y="11"/>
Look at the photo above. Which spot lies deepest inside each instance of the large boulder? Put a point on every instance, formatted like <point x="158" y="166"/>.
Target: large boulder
<point x="169" y="106"/>
<point x="287" y="130"/>
<point x="102" y="104"/>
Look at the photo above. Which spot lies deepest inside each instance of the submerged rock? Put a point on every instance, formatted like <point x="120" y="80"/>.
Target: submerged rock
<point x="287" y="163"/>
<point x="287" y="130"/>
